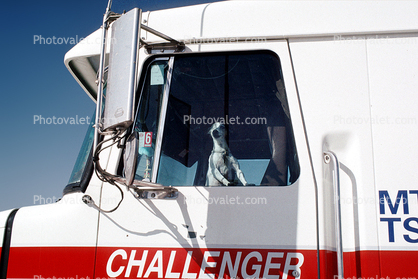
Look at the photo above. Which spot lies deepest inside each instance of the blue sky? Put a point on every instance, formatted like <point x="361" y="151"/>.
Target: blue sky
<point x="36" y="160"/>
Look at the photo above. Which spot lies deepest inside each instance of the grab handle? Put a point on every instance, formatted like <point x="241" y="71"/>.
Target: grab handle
<point x="331" y="158"/>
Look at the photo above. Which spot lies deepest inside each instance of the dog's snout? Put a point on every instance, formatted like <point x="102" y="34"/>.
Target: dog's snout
<point x="218" y="130"/>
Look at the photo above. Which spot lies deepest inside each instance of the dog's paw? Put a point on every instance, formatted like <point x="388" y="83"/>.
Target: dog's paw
<point x="226" y="182"/>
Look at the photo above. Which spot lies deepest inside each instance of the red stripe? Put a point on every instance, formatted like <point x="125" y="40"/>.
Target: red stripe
<point x="371" y="264"/>
<point x="399" y="264"/>
<point x="358" y="264"/>
<point x="361" y="263"/>
<point x="78" y="262"/>
<point x="47" y="262"/>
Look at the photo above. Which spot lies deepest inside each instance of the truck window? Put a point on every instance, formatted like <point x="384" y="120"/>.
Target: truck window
<point x="235" y="100"/>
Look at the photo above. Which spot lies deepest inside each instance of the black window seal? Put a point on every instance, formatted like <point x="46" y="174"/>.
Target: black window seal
<point x="5" y="251"/>
<point x="85" y="178"/>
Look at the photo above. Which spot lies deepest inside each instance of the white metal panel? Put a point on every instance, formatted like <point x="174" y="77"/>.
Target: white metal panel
<point x="393" y="73"/>
<point x="285" y="18"/>
<point x="332" y="82"/>
<point x="179" y="23"/>
<point x="68" y="222"/>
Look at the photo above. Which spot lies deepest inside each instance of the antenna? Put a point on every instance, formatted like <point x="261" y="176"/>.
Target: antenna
<point x="99" y="96"/>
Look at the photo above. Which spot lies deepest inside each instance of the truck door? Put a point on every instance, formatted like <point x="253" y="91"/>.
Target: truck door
<point x="262" y="225"/>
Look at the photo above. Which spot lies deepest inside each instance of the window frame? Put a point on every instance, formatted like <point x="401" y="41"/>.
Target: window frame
<point x="163" y="113"/>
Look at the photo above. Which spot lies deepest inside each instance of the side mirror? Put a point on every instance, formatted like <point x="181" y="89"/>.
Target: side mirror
<point x="130" y="157"/>
<point x="122" y="82"/>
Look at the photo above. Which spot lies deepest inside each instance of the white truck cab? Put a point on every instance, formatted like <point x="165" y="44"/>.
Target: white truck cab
<point x="302" y="113"/>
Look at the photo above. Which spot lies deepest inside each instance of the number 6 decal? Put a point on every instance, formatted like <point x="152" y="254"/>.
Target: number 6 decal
<point x="148" y="139"/>
<point x="145" y="139"/>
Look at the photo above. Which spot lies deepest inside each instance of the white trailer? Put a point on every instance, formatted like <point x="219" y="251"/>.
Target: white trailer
<point x="318" y="104"/>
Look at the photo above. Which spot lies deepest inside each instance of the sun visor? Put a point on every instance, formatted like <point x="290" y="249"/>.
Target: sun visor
<point x="83" y="61"/>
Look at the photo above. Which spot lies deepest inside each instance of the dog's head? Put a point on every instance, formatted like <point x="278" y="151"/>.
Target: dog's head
<point x="217" y="131"/>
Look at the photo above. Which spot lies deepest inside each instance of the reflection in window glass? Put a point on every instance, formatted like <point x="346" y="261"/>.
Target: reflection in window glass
<point x="245" y="92"/>
<point x="83" y="156"/>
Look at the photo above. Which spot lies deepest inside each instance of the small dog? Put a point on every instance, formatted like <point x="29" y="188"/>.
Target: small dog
<point x="221" y="162"/>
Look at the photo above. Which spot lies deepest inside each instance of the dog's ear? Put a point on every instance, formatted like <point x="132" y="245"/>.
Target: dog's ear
<point x="211" y="129"/>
